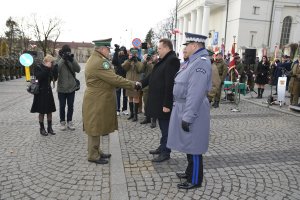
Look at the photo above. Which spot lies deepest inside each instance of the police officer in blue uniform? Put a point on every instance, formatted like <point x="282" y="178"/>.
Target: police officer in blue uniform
<point x="190" y="117"/>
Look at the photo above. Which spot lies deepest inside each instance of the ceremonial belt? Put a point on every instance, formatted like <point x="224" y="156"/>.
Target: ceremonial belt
<point x="180" y="100"/>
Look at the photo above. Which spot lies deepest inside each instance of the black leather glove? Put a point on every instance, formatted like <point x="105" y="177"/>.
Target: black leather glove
<point x="71" y="58"/>
<point x="185" y="126"/>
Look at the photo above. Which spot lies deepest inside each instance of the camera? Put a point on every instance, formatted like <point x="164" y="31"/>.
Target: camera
<point x="117" y="47"/>
<point x="133" y="58"/>
<point x="67" y="56"/>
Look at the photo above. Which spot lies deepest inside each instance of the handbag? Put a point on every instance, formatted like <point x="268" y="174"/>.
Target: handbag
<point x="33" y="87"/>
<point x="77" y="87"/>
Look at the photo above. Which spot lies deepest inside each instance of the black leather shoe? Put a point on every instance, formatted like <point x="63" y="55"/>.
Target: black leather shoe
<point x="43" y="132"/>
<point x="105" y="155"/>
<point x="162" y="157"/>
<point x="145" y="121"/>
<point x="101" y="161"/>
<point x="181" y="175"/>
<point x="186" y="185"/>
<point x="156" y="151"/>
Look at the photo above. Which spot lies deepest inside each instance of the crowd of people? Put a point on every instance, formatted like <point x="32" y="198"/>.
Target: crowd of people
<point x="178" y="95"/>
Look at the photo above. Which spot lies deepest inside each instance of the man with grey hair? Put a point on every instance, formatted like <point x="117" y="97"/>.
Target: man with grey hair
<point x="190" y="117"/>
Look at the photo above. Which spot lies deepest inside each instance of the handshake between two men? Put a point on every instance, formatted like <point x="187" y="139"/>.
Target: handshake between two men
<point x="138" y="86"/>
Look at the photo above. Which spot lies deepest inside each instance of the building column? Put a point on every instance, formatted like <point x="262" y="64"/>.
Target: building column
<point x="199" y="20"/>
<point x="193" y="21"/>
<point x="185" y="26"/>
<point x="276" y="30"/>
<point x="205" y="20"/>
<point x="180" y="27"/>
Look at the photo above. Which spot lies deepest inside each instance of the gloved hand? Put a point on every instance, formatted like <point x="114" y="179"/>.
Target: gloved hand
<point x="185" y="126"/>
<point x="138" y="86"/>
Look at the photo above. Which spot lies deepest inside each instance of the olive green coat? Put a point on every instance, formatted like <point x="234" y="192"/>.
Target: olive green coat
<point x="294" y="84"/>
<point x="99" y="101"/>
<point x="222" y="69"/>
<point x="216" y="82"/>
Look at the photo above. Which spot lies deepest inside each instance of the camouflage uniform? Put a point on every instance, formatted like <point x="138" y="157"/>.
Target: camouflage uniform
<point x="2" y="69"/>
<point x="6" y="68"/>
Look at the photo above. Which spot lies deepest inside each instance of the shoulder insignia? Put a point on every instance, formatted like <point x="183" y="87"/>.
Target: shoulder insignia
<point x="105" y="65"/>
<point x="201" y="70"/>
<point x="203" y="58"/>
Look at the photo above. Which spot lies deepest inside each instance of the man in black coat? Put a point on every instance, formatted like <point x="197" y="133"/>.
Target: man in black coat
<point x="160" y="99"/>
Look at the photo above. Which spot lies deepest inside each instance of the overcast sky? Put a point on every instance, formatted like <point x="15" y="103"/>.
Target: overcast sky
<point x="89" y="20"/>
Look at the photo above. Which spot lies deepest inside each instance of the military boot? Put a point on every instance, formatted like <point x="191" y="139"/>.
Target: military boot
<point x="131" y="110"/>
<point x="216" y="104"/>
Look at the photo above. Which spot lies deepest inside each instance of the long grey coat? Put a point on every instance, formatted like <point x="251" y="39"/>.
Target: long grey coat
<point x="192" y="83"/>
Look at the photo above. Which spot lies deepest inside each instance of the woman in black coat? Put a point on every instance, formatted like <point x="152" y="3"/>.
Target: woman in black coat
<point x="262" y="73"/>
<point x="43" y="102"/>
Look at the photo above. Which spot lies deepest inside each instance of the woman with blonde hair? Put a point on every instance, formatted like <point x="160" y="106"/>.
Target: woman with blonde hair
<point x="43" y="102"/>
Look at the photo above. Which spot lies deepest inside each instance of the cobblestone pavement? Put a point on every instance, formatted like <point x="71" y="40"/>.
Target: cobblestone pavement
<point x="253" y="154"/>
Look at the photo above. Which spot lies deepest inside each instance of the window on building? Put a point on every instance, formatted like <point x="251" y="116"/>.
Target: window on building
<point x="252" y="38"/>
<point x="286" y="30"/>
<point x="255" y="10"/>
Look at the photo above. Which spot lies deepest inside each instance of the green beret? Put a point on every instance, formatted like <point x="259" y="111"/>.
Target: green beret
<point x="105" y="42"/>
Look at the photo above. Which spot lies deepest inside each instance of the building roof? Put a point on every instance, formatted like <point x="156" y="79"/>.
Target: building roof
<point x="75" y="45"/>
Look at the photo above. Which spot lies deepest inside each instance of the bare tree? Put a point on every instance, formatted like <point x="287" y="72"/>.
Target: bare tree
<point x="24" y="34"/>
<point x="165" y="28"/>
<point x="46" y="33"/>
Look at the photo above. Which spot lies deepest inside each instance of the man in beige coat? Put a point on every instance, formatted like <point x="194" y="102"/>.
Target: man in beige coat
<point x="99" y="101"/>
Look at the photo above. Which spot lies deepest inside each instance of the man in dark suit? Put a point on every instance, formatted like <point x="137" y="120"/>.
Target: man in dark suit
<point x="160" y="99"/>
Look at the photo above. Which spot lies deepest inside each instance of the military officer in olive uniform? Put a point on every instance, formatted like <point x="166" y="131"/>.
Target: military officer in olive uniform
<point x="294" y="84"/>
<point x="222" y="70"/>
<point x="216" y="81"/>
<point x="99" y="101"/>
<point x="6" y="68"/>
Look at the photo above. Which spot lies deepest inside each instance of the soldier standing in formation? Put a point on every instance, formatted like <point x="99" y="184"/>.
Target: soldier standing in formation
<point x="222" y="71"/>
<point x="216" y="81"/>
<point x="294" y="84"/>
<point x="99" y="101"/>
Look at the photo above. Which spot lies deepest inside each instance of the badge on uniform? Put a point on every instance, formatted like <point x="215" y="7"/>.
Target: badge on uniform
<point x="106" y="65"/>
<point x="201" y="70"/>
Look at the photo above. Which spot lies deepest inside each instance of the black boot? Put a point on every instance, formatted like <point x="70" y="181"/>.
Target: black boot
<point x="49" y="129"/>
<point x="135" y="112"/>
<point x="131" y="110"/>
<point x="216" y="104"/>
<point x="261" y="92"/>
<point x="42" y="129"/>
<point x="146" y="120"/>
<point x="153" y="123"/>
<point x="258" y="93"/>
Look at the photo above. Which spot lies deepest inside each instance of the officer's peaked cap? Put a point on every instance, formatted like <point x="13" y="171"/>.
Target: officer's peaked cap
<point x="191" y="37"/>
<point x="104" y="42"/>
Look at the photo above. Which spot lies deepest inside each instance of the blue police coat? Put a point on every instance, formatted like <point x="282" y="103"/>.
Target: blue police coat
<point x="192" y="83"/>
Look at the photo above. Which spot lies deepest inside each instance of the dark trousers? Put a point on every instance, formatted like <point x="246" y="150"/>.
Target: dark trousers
<point x="118" y="92"/>
<point x="164" y="128"/>
<point x="194" y="170"/>
<point x="63" y="98"/>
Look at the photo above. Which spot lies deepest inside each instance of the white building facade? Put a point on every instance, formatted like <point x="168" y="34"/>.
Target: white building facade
<point x="259" y="24"/>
